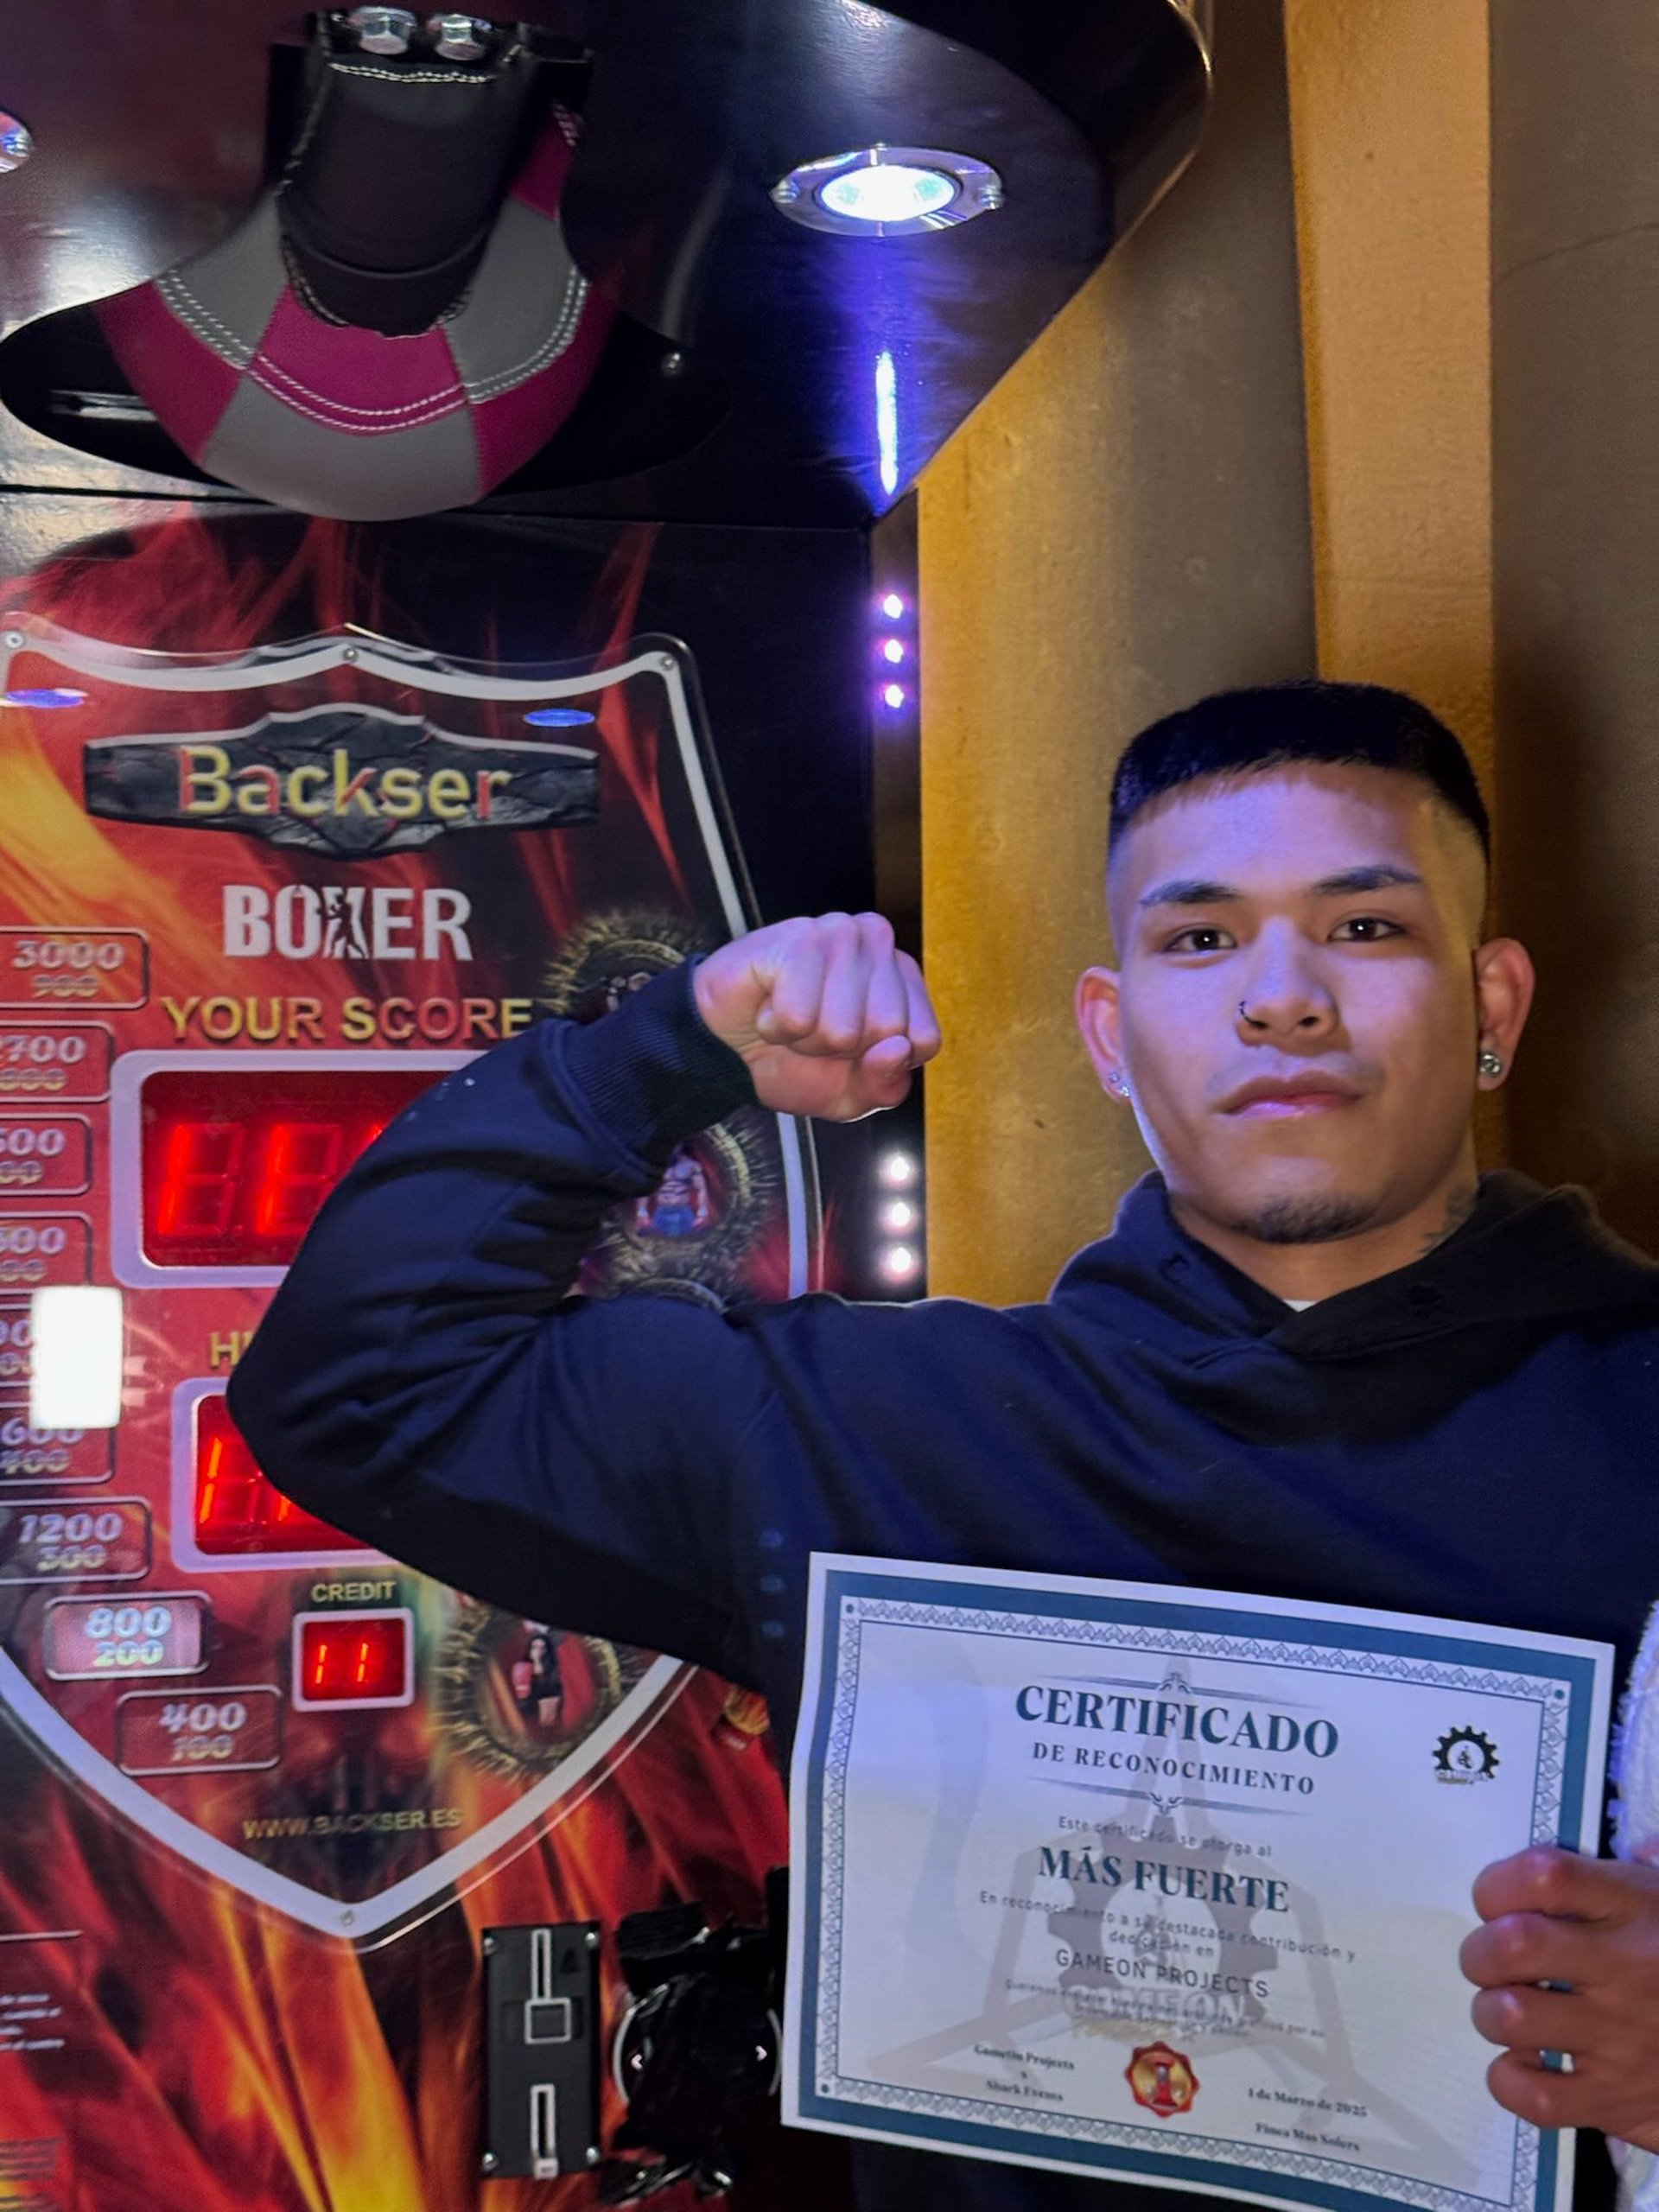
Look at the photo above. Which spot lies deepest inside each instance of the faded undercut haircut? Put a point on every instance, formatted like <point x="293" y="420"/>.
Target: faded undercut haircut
<point x="1247" y="733"/>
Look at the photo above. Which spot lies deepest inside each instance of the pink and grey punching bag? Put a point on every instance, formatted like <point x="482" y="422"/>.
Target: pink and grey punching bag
<point x="396" y="326"/>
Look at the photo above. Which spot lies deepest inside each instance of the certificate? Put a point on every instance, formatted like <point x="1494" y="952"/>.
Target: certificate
<point x="1168" y="1884"/>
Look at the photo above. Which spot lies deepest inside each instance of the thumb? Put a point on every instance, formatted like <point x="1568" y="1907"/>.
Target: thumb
<point x="882" y="1078"/>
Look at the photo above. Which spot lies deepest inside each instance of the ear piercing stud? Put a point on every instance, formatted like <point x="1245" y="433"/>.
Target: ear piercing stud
<point x="1488" y="1062"/>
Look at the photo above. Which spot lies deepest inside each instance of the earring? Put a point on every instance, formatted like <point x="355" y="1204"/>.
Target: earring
<point x="1488" y="1062"/>
<point x="1118" y="1083"/>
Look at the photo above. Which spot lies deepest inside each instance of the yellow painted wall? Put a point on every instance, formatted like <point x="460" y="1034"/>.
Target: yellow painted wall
<point x="1390" y="137"/>
<point x="1020" y="623"/>
<point x="1024" y="588"/>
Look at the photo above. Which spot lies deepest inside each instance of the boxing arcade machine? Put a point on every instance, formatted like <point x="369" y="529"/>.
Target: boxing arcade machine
<point x="456" y="569"/>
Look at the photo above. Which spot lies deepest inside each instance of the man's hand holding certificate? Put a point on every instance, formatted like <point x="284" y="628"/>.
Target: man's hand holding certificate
<point x="1170" y="1885"/>
<point x="1591" y="1928"/>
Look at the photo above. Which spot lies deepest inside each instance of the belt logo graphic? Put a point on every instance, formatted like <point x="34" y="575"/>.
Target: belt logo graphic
<point x="351" y="781"/>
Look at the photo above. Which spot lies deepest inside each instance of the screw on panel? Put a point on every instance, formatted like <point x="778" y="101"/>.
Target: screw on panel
<point x="489" y="1947"/>
<point x="15" y="640"/>
<point x="591" y="1939"/>
<point x="382" y="30"/>
<point x="591" y="2154"/>
<point x="665" y="662"/>
<point x="488" y="2163"/>
<point x="459" y="37"/>
<point x="350" y="654"/>
<point x="348" y="1920"/>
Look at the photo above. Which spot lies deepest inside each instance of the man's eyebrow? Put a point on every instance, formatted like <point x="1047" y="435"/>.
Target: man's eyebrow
<point x="1188" y="891"/>
<point x="1380" y="875"/>
<point x="1202" y="891"/>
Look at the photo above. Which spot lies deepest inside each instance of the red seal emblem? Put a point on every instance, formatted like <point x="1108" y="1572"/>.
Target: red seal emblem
<point x="1162" y="2080"/>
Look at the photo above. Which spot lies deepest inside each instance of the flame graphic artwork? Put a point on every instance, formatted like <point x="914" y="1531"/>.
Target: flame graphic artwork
<point x="170" y="2033"/>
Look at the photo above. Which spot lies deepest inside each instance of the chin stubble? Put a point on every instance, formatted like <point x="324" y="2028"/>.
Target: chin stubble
<point x="1305" y="1221"/>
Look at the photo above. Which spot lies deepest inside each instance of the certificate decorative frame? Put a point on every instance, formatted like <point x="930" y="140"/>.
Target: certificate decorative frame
<point x="1565" y="1684"/>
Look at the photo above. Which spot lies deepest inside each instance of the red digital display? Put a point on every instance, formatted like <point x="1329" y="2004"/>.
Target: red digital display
<point x="350" y="1658"/>
<point x="236" y="1163"/>
<point x="239" y="1509"/>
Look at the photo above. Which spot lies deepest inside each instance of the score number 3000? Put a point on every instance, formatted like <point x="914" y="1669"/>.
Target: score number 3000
<point x="106" y="966"/>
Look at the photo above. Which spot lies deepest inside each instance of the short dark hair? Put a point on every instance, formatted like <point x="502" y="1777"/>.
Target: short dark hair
<point x="1273" y="725"/>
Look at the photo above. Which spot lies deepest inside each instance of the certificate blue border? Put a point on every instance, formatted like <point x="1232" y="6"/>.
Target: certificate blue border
<point x="1575" y="1670"/>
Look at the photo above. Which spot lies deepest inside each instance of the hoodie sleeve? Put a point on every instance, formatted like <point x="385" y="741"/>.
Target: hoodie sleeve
<point x="424" y="1380"/>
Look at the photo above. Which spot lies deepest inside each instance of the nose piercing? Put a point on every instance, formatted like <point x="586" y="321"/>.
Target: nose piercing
<point x="1244" y="1014"/>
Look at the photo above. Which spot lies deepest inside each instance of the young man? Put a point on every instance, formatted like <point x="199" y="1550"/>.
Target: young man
<point x="1318" y="1357"/>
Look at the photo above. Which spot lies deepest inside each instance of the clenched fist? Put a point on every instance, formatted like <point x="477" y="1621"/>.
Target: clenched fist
<point x="830" y="1017"/>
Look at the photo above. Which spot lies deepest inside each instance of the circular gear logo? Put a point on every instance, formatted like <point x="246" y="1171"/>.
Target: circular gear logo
<point x="1465" y="1755"/>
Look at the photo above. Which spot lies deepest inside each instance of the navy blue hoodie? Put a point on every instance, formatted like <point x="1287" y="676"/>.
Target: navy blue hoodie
<point x="1472" y="1436"/>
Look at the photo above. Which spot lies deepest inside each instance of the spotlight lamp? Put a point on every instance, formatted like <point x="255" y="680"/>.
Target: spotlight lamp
<point x="889" y="192"/>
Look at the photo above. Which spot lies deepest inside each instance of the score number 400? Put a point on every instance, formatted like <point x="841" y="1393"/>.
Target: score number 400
<point x="129" y="1636"/>
<point x="203" y="1730"/>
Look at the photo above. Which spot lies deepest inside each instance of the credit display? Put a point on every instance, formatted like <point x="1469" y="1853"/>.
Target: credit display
<point x="352" y="1660"/>
<point x="272" y="864"/>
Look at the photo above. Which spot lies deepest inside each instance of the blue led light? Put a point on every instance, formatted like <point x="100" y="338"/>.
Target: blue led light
<point x="45" y="698"/>
<point x="17" y="143"/>
<point x="886" y="421"/>
<point x="889" y="192"/>
<point x="557" y="717"/>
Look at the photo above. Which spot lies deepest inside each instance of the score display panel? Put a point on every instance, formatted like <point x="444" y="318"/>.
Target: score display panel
<point x="253" y="902"/>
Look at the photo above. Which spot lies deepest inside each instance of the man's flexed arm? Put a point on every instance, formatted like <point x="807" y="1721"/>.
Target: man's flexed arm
<point x="423" y="1378"/>
<point x="829" y="1017"/>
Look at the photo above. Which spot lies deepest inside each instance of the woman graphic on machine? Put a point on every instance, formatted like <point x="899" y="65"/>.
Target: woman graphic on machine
<point x="537" y="1684"/>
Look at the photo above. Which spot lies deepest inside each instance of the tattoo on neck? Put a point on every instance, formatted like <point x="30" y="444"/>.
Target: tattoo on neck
<point x="1458" y="1207"/>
